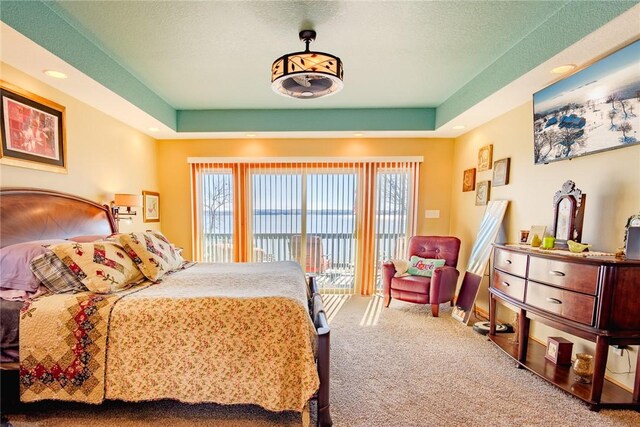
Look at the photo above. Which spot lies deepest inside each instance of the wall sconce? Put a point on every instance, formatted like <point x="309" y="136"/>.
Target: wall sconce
<point x="127" y="201"/>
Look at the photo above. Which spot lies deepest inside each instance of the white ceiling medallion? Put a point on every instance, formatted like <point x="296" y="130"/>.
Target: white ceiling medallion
<point x="307" y="75"/>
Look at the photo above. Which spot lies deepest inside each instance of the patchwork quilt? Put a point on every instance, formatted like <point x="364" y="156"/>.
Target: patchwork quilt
<point x="223" y="333"/>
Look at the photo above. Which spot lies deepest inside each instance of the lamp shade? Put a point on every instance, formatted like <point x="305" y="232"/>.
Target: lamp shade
<point x="307" y="75"/>
<point x="127" y="200"/>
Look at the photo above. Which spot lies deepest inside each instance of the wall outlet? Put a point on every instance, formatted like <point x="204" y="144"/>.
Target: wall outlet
<point x="619" y="349"/>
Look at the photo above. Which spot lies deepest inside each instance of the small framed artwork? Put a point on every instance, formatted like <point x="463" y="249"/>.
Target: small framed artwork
<point x="33" y="133"/>
<point x="485" y="157"/>
<point x="482" y="193"/>
<point x="150" y="206"/>
<point x="501" y="172"/>
<point x="469" y="180"/>
<point x="559" y="351"/>
<point x="536" y="230"/>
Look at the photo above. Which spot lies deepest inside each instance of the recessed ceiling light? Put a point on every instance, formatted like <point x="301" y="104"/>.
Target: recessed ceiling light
<point x="153" y="129"/>
<point x="55" y="74"/>
<point x="251" y="135"/>
<point x="358" y="134"/>
<point x="458" y="127"/>
<point x="564" y="69"/>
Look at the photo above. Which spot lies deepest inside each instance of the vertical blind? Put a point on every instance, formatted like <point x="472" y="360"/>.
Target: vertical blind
<point x="339" y="218"/>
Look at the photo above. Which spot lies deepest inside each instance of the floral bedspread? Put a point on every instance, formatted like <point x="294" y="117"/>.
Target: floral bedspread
<point x="223" y="333"/>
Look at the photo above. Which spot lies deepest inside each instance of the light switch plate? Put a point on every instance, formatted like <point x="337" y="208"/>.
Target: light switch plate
<point x="432" y="214"/>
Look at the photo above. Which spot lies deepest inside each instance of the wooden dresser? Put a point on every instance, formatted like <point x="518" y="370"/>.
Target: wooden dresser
<point x="595" y="298"/>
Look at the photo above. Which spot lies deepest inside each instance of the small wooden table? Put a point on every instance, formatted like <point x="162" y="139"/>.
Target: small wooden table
<point x="593" y="297"/>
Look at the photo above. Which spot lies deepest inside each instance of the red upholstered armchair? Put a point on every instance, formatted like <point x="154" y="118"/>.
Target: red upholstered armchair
<point x="434" y="290"/>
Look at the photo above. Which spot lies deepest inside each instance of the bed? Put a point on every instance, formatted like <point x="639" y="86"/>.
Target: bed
<point x="204" y="334"/>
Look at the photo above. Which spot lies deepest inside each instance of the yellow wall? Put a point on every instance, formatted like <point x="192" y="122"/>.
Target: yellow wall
<point x="104" y="156"/>
<point x="434" y="186"/>
<point x="611" y="181"/>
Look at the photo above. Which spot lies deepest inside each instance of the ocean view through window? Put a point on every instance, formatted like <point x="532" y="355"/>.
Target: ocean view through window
<point x="338" y="220"/>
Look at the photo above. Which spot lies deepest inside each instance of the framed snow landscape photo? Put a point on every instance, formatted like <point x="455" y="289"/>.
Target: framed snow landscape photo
<point x="593" y="110"/>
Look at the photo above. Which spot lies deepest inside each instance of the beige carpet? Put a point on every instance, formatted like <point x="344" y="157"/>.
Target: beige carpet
<point x="392" y="367"/>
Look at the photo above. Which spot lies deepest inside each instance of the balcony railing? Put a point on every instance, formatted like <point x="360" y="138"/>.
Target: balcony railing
<point x="336" y="269"/>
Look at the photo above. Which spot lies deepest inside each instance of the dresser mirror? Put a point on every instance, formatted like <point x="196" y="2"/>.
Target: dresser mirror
<point x="632" y="237"/>
<point x="568" y="207"/>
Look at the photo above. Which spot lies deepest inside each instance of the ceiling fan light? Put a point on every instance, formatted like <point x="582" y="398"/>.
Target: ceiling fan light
<point x="307" y="75"/>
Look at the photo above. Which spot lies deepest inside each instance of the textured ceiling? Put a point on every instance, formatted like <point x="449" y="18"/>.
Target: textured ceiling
<point x="203" y="55"/>
<point x="204" y="66"/>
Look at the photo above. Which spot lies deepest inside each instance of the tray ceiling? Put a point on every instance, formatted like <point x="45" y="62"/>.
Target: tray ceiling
<point x="205" y="66"/>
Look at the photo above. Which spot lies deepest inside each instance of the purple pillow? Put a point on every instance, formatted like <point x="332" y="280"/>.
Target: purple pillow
<point x="15" y="260"/>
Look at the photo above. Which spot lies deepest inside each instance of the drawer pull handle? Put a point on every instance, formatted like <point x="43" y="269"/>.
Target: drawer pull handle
<point x="554" y="300"/>
<point x="557" y="273"/>
<point x="506" y="283"/>
<point x="508" y="261"/>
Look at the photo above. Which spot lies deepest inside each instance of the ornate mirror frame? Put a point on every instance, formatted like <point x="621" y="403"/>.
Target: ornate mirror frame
<point x="568" y="214"/>
<point x="633" y="221"/>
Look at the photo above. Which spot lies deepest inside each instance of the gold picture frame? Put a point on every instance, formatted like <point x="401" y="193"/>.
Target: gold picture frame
<point x="485" y="158"/>
<point x="150" y="206"/>
<point x="469" y="180"/>
<point x="33" y="130"/>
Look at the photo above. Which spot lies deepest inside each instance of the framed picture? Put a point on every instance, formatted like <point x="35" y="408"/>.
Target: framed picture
<point x="469" y="180"/>
<point x="536" y="230"/>
<point x="150" y="206"/>
<point x="485" y="157"/>
<point x="33" y="131"/>
<point x="482" y="193"/>
<point x="501" y="172"/>
<point x="559" y="351"/>
<point x="591" y="110"/>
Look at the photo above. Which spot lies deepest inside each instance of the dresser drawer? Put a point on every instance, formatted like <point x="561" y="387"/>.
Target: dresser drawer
<point x="510" y="262"/>
<point x="577" y="277"/>
<point x="568" y="304"/>
<point x="509" y="285"/>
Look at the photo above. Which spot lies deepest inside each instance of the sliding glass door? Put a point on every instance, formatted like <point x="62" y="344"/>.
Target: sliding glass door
<point x="276" y="213"/>
<point x="339" y="220"/>
<point x="331" y="228"/>
<point x="306" y="215"/>
<point x="392" y="217"/>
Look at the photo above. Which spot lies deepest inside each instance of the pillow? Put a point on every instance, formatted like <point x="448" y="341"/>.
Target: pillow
<point x="14" y="264"/>
<point x="152" y="252"/>
<point x="401" y="266"/>
<point x="55" y="275"/>
<point x="424" y="266"/>
<point x="88" y="239"/>
<point x="102" y="267"/>
<point x="16" y="295"/>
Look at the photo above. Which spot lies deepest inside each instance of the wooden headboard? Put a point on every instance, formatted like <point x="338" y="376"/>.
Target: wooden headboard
<point x="32" y="214"/>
